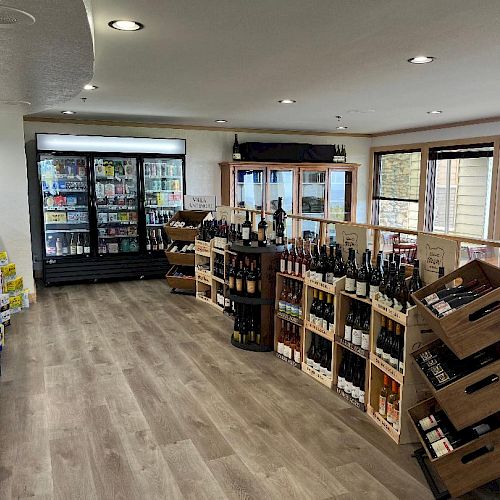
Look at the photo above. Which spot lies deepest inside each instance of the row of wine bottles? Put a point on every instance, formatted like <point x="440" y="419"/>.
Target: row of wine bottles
<point x="218" y="266"/>
<point x="322" y="311"/>
<point x="289" y="341"/>
<point x="357" y="325"/>
<point x="442" y="438"/>
<point x="388" y="402"/>
<point x="244" y="277"/>
<point x="319" y="355"/>
<point x="390" y="343"/>
<point x="246" y="329"/>
<point x="448" y="300"/>
<point x="442" y="367"/>
<point x="290" y="299"/>
<point x="351" y="377"/>
<point x="222" y="233"/>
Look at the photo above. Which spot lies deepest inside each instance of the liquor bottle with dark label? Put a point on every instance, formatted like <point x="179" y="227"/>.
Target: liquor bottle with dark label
<point x="451" y="303"/>
<point x="349" y="322"/>
<point x="389" y="340"/>
<point x="381" y="338"/>
<point x="339" y="268"/>
<point x="330" y="272"/>
<point x="246" y="230"/>
<point x="240" y="280"/>
<point x="306" y="259"/>
<point x="262" y="230"/>
<point x="415" y="281"/>
<point x="442" y="294"/>
<point x="400" y="302"/>
<point x="290" y="266"/>
<point x="251" y="281"/>
<point x="236" y="149"/>
<point x="382" y="400"/>
<point x="284" y="258"/>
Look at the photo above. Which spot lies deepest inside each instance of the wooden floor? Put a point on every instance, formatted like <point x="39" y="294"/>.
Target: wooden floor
<point x="126" y="391"/>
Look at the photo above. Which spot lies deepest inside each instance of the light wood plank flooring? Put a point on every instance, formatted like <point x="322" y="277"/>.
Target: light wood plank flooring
<point x="124" y="390"/>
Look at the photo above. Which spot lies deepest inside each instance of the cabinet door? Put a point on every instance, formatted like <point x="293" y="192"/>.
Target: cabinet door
<point x="249" y="188"/>
<point x="340" y="198"/>
<point x="281" y="183"/>
<point x="312" y="200"/>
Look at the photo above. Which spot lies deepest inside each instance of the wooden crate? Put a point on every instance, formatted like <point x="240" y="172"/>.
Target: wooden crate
<point x="191" y="217"/>
<point x="177" y="258"/>
<point x="202" y="247"/>
<point x="178" y="282"/>
<point x="459" y="331"/>
<point x="467" y="467"/>
<point x="470" y="398"/>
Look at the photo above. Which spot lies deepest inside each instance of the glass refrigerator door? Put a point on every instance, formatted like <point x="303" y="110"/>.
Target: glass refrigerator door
<point x="116" y="205"/>
<point x="281" y="184"/>
<point x="312" y="203"/>
<point x="64" y="186"/>
<point x="249" y="188"/>
<point x="163" y="192"/>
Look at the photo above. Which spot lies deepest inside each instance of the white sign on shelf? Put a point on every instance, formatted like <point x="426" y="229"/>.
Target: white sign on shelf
<point x="199" y="202"/>
<point x="434" y="252"/>
<point x="351" y="237"/>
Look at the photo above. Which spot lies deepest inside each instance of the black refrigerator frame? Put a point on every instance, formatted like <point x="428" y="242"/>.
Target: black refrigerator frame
<point x="96" y="267"/>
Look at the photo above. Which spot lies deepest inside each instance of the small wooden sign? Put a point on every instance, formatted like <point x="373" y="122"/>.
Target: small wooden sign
<point x="434" y="252"/>
<point x="192" y="202"/>
<point x="351" y="237"/>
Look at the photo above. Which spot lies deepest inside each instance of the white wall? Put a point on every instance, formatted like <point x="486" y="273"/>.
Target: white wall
<point x="444" y="134"/>
<point x="205" y="149"/>
<point x="14" y="214"/>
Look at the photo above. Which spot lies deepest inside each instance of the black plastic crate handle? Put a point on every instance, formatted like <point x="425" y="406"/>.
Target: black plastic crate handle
<point x="473" y="455"/>
<point x="481" y="384"/>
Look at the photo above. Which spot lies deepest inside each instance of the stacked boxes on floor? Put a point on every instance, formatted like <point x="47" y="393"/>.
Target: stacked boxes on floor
<point x="13" y="296"/>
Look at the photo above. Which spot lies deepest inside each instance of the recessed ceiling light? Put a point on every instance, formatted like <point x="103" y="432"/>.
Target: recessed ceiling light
<point x="434" y="112"/>
<point x="220" y="121"/>
<point x="126" y="25"/>
<point x="68" y="112"/>
<point x="90" y="87"/>
<point x="287" y="101"/>
<point x="341" y="127"/>
<point x="421" y="59"/>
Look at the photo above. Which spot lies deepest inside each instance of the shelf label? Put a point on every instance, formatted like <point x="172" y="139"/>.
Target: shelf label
<point x="288" y="360"/>
<point x="200" y="202"/>
<point x="386" y="368"/>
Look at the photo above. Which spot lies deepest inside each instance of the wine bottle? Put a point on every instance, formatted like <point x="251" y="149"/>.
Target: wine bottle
<point x="262" y="230"/>
<point x="382" y="400"/>
<point x="355" y="378"/>
<point x="351" y="271"/>
<point x="314" y="303"/>
<point x="379" y="347"/>
<point x="443" y="293"/>
<point x="395" y="348"/>
<point x="362" y="278"/>
<point x="246" y="229"/>
<point x="290" y="268"/>
<point x="357" y="331"/>
<point x="297" y="268"/>
<point x="72" y="245"/>
<point x="342" y="370"/>
<point x="279" y="220"/>
<point x="361" y="397"/>
<point x="284" y="258"/>
<point x="401" y="292"/>
<point x="389" y="339"/>
<point x="251" y="281"/>
<point x="327" y="312"/>
<point x="415" y="281"/>
<point x="376" y="277"/>
<point x="306" y="259"/>
<point x="460" y="301"/>
<point x="365" y="331"/>
<point x="391" y="400"/>
<point x="240" y="288"/>
<point x="330" y="274"/>
<point x="236" y="149"/>
<point x="349" y="322"/>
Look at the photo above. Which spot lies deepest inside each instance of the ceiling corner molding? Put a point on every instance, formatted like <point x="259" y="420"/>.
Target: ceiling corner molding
<point x="119" y="123"/>
<point x="466" y="123"/>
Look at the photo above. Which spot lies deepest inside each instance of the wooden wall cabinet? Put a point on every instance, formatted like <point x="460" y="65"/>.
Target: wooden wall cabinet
<point x="317" y="190"/>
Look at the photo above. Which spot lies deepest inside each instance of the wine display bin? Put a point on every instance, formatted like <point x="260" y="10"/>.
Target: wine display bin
<point x="465" y="331"/>
<point x="411" y="385"/>
<point x="179" y="237"/>
<point x="470" y="398"/>
<point x="466" y="467"/>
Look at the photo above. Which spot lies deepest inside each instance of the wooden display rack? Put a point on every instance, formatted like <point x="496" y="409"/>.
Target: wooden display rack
<point x="278" y="316"/>
<point x="411" y="385"/>
<point x="344" y="302"/>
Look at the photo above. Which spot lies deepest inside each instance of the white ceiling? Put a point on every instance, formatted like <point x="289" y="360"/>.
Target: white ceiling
<point x="199" y="60"/>
<point x="47" y="62"/>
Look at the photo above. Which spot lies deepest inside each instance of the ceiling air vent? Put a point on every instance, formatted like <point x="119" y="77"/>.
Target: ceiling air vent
<point x="9" y="16"/>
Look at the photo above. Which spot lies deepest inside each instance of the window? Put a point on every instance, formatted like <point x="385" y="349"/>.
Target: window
<point x="459" y="188"/>
<point x="395" y="189"/>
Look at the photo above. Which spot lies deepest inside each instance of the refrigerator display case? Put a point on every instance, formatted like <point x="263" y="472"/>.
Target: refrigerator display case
<point x="103" y="200"/>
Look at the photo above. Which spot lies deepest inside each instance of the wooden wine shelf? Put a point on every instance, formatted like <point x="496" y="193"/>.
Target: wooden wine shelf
<point x="386" y="368"/>
<point x="316" y="329"/>
<point x="255" y="301"/>
<point x="219" y="280"/>
<point x="321" y="285"/>
<point x="291" y="276"/>
<point x="218" y="250"/>
<point x="202" y="248"/>
<point x="349" y="399"/>
<point x="204" y="277"/>
<point x="289" y="361"/>
<point x="351" y="347"/>
<point x="354" y="297"/>
<point x="204" y="298"/>
<point x="290" y="319"/>
<point x="328" y="382"/>
<point x="382" y="423"/>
